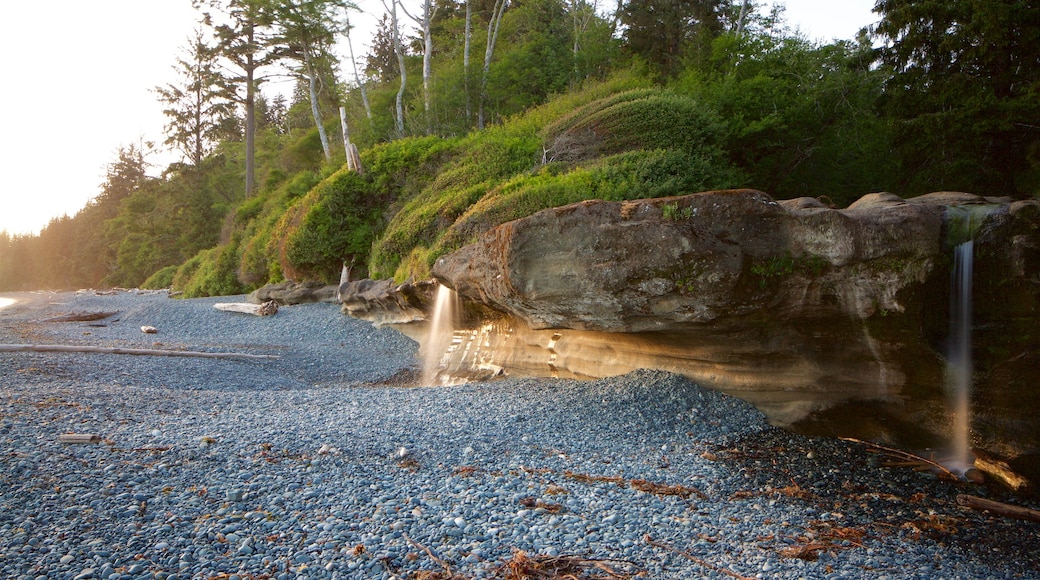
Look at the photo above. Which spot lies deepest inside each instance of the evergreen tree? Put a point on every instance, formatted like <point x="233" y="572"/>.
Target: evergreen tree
<point x="965" y="93"/>
<point x="199" y="108"/>
<point x="244" y="41"/>
<point x="667" y="32"/>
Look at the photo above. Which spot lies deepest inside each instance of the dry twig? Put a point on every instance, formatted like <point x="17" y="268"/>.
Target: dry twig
<point x="444" y="574"/>
<point x="908" y="459"/>
<point x="663" y="489"/>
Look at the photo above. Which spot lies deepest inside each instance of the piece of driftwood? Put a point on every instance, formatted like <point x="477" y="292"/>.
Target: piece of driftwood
<point x="266" y="309"/>
<point x="81" y="316"/>
<point x="999" y="508"/>
<point x="999" y="470"/>
<point x="72" y="438"/>
<point x="130" y="351"/>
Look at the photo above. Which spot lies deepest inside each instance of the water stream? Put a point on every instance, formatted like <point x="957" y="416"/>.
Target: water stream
<point x="963" y="224"/>
<point x="959" y="360"/>
<point x="437" y="348"/>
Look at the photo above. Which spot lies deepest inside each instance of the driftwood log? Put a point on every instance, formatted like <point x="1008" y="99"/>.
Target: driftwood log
<point x="72" y="438"/>
<point x="81" y="316"/>
<point x="266" y="309"/>
<point x="130" y="351"/>
<point x="1003" y="509"/>
<point x="999" y="470"/>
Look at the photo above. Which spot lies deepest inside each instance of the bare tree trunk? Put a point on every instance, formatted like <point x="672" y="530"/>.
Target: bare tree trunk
<point x="429" y="11"/>
<point x="465" y="60"/>
<point x="357" y="77"/>
<point x="399" y="50"/>
<point x="616" y="20"/>
<point x="581" y="14"/>
<point x="250" y="118"/>
<point x="312" y="82"/>
<point x="743" y="16"/>
<point x="493" y="24"/>
<point x="346" y="138"/>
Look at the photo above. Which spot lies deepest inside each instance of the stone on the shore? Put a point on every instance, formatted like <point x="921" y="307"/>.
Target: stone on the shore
<point x="288" y="293"/>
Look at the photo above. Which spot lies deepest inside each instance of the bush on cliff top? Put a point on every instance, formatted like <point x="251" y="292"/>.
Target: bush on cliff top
<point x="598" y="144"/>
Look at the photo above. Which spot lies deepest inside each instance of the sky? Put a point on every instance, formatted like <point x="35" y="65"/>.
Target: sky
<point x="79" y="79"/>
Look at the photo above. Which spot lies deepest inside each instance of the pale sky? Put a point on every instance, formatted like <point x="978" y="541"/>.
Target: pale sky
<point x="78" y="77"/>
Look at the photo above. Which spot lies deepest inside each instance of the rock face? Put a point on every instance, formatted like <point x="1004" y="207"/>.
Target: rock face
<point x="793" y="305"/>
<point x="790" y="304"/>
<point x="672" y="264"/>
<point x="384" y="302"/>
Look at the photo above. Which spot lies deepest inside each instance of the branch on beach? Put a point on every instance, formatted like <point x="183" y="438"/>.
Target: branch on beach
<point x="1002" y="509"/>
<point x="906" y="459"/>
<point x="130" y="351"/>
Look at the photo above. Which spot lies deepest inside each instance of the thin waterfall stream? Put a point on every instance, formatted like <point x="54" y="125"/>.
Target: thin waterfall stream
<point x="441" y="330"/>
<point x="959" y="358"/>
<point x="964" y="222"/>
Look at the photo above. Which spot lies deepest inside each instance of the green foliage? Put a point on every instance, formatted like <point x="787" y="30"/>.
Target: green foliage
<point x="965" y="93"/>
<point x="671" y="211"/>
<point x="798" y="118"/>
<point x="161" y="279"/>
<point x="668" y="32"/>
<point x="333" y="223"/>
<point x="211" y="272"/>
<point x="637" y="120"/>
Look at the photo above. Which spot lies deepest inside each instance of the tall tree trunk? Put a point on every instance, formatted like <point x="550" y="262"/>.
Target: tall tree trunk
<point x="615" y="21"/>
<point x="399" y="51"/>
<point x="429" y="11"/>
<point x="250" y="116"/>
<point x="346" y="137"/>
<point x="357" y="77"/>
<point x="743" y="16"/>
<point x="312" y="83"/>
<point x="427" y="60"/>
<point x="465" y="60"/>
<point x="492" y="36"/>
<point x="581" y="15"/>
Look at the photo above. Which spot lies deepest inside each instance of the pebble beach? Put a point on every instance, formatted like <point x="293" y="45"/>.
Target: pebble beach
<point x="326" y="460"/>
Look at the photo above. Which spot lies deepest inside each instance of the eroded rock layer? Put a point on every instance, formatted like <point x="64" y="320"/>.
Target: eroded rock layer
<point x="791" y="304"/>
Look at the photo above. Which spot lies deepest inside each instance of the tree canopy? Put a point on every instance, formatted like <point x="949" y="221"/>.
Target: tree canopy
<point x="486" y="110"/>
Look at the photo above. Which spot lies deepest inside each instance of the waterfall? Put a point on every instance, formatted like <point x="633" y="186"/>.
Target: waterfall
<point x="441" y="334"/>
<point x="959" y="361"/>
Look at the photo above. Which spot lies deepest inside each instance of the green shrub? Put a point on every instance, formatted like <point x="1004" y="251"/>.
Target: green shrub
<point x="333" y="223"/>
<point x="211" y="272"/>
<point x="637" y="120"/>
<point x="161" y="279"/>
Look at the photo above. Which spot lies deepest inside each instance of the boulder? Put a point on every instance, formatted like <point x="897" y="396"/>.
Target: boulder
<point x="671" y="264"/>
<point x="289" y="292"/>
<point x="383" y="302"/>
